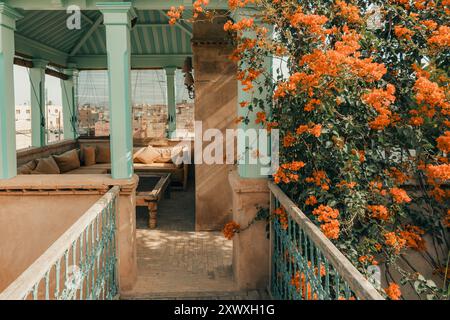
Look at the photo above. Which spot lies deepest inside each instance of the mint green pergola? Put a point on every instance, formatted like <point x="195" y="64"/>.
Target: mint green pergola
<point x="114" y="35"/>
<point x="35" y="31"/>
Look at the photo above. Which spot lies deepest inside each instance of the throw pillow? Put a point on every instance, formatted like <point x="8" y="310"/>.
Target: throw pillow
<point x="103" y="154"/>
<point x="46" y="166"/>
<point x="27" y="167"/>
<point x="89" y="156"/>
<point x="148" y="155"/>
<point x="67" y="161"/>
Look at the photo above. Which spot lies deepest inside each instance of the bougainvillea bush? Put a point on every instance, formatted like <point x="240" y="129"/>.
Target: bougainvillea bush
<point x="364" y="120"/>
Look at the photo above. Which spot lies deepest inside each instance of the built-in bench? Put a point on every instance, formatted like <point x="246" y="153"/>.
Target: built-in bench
<point x="179" y="172"/>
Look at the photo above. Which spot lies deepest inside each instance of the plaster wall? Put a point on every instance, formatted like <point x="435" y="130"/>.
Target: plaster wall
<point x="31" y="220"/>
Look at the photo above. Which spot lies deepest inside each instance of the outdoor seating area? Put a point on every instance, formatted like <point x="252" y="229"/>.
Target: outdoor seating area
<point x="93" y="157"/>
<point x="224" y="150"/>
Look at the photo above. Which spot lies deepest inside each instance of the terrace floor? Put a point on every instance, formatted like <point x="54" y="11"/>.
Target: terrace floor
<point x="175" y="262"/>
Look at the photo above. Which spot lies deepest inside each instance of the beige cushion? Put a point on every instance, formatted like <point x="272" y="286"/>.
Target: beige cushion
<point x="27" y="167"/>
<point x="46" y="166"/>
<point x="68" y="161"/>
<point x="103" y="154"/>
<point x="89" y="155"/>
<point x="136" y="152"/>
<point x="148" y="155"/>
<point x="169" y="154"/>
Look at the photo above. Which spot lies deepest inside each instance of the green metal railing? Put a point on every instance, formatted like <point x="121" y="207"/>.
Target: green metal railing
<point x="305" y="265"/>
<point x="81" y="264"/>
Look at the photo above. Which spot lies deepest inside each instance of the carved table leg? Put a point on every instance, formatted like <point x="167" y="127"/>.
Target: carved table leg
<point x="152" y="210"/>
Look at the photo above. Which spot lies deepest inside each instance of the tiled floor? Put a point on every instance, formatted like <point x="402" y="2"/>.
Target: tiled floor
<point x="176" y="262"/>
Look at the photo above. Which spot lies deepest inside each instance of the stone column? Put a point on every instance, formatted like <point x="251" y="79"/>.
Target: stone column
<point x="68" y="104"/>
<point x="215" y="103"/>
<point x="8" y="165"/>
<point x="171" y="102"/>
<point x="38" y="114"/>
<point x="117" y="18"/>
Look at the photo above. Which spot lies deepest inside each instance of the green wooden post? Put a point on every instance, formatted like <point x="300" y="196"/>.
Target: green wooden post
<point x="68" y="104"/>
<point x="171" y="102"/>
<point x="117" y="19"/>
<point x="8" y="160"/>
<point x="38" y="113"/>
<point x="247" y="142"/>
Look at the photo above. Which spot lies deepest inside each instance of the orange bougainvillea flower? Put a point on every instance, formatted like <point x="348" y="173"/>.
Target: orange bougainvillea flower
<point x="348" y="12"/>
<point x="440" y="37"/>
<point x="429" y="93"/>
<point x="379" y="212"/>
<point x="311" y="201"/>
<point x="282" y="216"/>
<point x="260" y="117"/>
<point x="399" y="195"/>
<point x="234" y="4"/>
<point x="319" y="178"/>
<point x="380" y="100"/>
<point x="230" y="229"/>
<point x="394" y="241"/>
<point x="443" y="142"/>
<point x="403" y="33"/>
<point x="316" y="130"/>
<point x="346" y="184"/>
<point x="312" y="104"/>
<point x="438" y="172"/>
<point x="393" y="291"/>
<point x="288" y="140"/>
<point x="328" y="216"/>
<point x="413" y="237"/>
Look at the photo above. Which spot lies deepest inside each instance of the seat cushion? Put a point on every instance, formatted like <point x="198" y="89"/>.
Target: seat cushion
<point x="156" y="166"/>
<point x="103" y="154"/>
<point x="67" y="161"/>
<point x="89" y="155"/>
<point x="46" y="166"/>
<point x="27" y="167"/>
<point x="169" y="154"/>
<point x="147" y="156"/>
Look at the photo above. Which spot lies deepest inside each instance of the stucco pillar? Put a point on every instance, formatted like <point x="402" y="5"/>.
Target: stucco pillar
<point x="117" y="18"/>
<point x="8" y="165"/>
<point x="250" y="189"/>
<point x="68" y="104"/>
<point x="171" y="102"/>
<point x="250" y="166"/>
<point x="38" y="114"/>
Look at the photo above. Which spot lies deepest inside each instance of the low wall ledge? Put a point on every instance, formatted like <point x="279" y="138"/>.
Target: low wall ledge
<point x="65" y="184"/>
<point x="244" y="185"/>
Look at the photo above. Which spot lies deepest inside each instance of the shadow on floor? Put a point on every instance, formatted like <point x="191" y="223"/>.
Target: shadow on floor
<point x="175" y="213"/>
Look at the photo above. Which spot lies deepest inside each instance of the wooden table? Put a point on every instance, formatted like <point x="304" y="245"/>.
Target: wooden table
<point x="151" y="188"/>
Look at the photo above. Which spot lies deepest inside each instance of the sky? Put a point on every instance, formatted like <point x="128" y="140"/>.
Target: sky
<point x="148" y="86"/>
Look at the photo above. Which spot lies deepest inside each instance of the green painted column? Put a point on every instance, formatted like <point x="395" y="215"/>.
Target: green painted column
<point x="171" y="102"/>
<point x="8" y="160"/>
<point x="37" y="87"/>
<point x="69" y="104"/>
<point x="248" y="142"/>
<point x="117" y="18"/>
